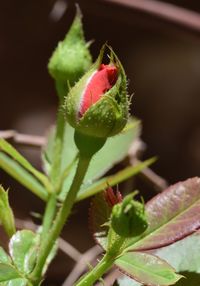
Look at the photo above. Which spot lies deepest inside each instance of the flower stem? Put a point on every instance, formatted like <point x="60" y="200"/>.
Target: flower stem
<point x="104" y="265"/>
<point x="50" y="209"/>
<point x="49" y="215"/>
<point x="60" y="219"/>
<point x="96" y="273"/>
<point x="59" y="136"/>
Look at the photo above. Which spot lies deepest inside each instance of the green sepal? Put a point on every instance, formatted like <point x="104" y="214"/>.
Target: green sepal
<point x="71" y="58"/>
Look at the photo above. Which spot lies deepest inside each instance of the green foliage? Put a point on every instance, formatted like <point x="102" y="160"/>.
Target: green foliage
<point x="6" y="214"/>
<point x="17" y="282"/>
<point x="13" y="153"/>
<point x="23" y="249"/>
<point x="147" y="268"/>
<point x="21" y="175"/>
<point x="8" y="272"/>
<point x="4" y="258"/>
<point x="184" y="256"/>
<point x="176" y="254"/>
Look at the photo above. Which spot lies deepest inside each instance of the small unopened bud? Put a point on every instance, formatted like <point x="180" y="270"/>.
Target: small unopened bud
<point x="71" y="58"/>
<point x="128" y="218"/>
<point x="98" y="104"/>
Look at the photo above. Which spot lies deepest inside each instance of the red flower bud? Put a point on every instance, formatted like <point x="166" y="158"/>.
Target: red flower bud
<point x="97" y="105"/>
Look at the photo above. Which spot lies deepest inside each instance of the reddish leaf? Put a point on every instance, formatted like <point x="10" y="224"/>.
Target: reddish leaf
<point x="172" y="215"/>
<point x="98" y="217"/>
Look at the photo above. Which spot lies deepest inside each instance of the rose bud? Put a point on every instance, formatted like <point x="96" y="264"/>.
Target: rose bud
<point x="98" y="104"/>
<point x="128" y="218"/>
<point x="71" y="58"/>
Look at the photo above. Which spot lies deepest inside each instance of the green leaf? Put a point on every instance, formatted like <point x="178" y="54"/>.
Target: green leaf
<point x="47" y="152"/>
<point x="148" y="269"/>
<point x="21" y="175"/>
<point x="23" y="248"/>
<point x="87" y="191"/>
<point x="16" y="282"/>
<point x="184" y="256"/>
<point x="127" y="281"/>
<point x="6" y="214"/>
<point x="4" y="258"/>
<point x="13" y="153"/>
<point x="8" y="272"/>
<point x="69" y="151"/>
<point x="171" y="215"/>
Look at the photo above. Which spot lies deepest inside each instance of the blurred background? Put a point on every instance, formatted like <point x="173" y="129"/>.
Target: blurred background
<point x="161" y="59"/>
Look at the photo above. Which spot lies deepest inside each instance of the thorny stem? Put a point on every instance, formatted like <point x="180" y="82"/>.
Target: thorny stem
<point x="104" y="265"/>
<point x="96" y="273"/>
<point x="65" y="173"/>
<point x="60" y="219"/>
<point x="49" y="215"/>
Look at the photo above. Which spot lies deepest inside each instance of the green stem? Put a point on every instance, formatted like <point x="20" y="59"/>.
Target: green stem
<point x="65" y="173"/>
<point x="49" y="215"/>
<point x="104" y="265"/>
<point x="58" y="144"/>
<point x="97" y="272"/>
<point x="60" y="219"/>
<point x="59" y="137"/>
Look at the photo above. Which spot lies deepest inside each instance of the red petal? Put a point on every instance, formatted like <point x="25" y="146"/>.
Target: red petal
<point x="100" y="83"/>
